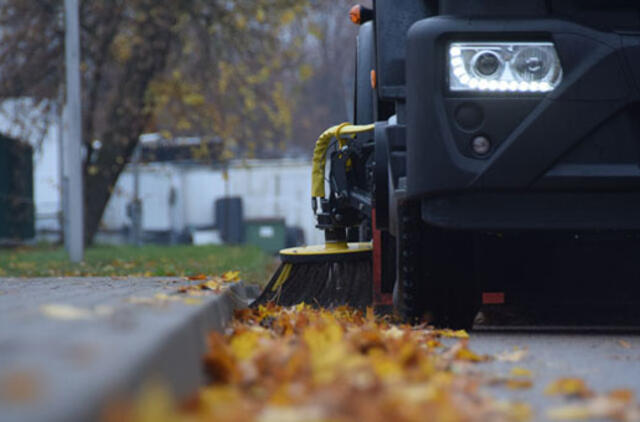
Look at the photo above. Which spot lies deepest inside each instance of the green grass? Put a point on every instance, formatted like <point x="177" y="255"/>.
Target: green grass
<point x="49" y="261"/>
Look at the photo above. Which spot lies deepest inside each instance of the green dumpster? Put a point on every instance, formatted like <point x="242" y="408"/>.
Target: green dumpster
<point x="16" y="190"/>
<point x="269" y="234"/>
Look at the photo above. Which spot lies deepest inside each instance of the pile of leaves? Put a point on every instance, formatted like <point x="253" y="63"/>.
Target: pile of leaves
<point x="306" y="364"/>
<point x="276" y="364"/>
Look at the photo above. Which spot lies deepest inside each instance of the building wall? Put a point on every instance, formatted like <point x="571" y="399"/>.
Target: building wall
<point x="269" y="188"/>
<point x="20" y="119"/>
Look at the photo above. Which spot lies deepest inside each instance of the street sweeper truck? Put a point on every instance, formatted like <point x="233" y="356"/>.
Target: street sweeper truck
<point x="494" y="158"/>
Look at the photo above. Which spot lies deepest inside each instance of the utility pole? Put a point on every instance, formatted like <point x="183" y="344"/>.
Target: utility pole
<point x="135" y="207"/>
<point x="61" y="173"/>
<point x="73" y="144"/>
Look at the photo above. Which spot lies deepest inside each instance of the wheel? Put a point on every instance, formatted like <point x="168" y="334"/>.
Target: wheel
<point x="435" y="276"/>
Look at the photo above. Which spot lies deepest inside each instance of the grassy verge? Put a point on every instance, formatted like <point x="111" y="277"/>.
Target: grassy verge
<point x="183" y="260"/>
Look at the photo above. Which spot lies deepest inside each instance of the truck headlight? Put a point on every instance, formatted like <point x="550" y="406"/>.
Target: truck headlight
<point x="504" y="66"/>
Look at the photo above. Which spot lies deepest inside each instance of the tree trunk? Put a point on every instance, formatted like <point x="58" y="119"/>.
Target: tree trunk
<point x="128" y="115"/>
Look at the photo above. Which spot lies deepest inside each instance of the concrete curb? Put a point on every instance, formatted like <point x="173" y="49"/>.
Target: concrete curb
<point x="79" y="364"/>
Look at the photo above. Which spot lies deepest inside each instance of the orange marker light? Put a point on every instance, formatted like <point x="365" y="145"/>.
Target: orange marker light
<point x="355" y="14"/>
<point x="360" y="14"/>
<point x="374" y="79"/>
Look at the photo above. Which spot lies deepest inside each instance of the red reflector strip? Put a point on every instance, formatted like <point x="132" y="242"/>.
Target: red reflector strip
<point x="493" y="298"/>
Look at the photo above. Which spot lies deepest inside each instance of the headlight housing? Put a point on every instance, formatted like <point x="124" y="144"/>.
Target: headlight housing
<point x="504" y="66"/>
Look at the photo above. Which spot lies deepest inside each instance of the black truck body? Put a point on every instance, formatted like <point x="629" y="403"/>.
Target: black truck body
<point x="468" y="186"/>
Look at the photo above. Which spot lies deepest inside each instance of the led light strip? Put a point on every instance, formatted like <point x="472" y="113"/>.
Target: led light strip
<point x="457" y="64"/>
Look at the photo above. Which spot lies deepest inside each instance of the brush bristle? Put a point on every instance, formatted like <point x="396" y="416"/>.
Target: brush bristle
<point x="326" y="284"/>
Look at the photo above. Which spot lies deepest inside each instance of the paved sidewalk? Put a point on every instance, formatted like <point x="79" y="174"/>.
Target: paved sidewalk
<point x="68" y="346"/>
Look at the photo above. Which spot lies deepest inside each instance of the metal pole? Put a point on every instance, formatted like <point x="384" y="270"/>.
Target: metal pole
<point x="136" y="205"/>
<point x="61" y="175"/>
<point x="73" y="147"/>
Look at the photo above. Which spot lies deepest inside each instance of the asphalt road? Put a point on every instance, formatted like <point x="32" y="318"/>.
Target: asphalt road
<point x="80" y="358"/>
<point x="600" y="346"/>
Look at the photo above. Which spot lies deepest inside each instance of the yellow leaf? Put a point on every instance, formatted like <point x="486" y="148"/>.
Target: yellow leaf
<point x="155" y="404"/>
<point x="520" y="372"/>
<point x="515" y="355"/>
<point x="244" y="345"/>
<point x="230" y="276"/>
<point x="455" y="334"/>
<point x="466" y="354"/>
<point x="325" y="349"/>
<point x="568" y="387"/>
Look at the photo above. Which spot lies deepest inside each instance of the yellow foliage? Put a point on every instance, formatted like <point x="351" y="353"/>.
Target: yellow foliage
<point x="121" y="48"/>
<point x="193" y="99"/>
<point x="183" y="124"/>
<point x="287" y="17"/>
<point x="241" y="22"/>
<point x="260" y="15"/>
<point x="305" y="72"/>
<point x="325" y="349"/>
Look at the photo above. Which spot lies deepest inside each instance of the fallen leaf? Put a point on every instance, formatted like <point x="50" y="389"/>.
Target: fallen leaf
<point x="575" y="387"/>
<point x="155" y="403"/>
<point x="623" y="395"/>
<point x="624" y="344"/>
<point x="519" y="383"/>
<point x="518" y="411"/>
<point x="515" y="355"/>
<point x="212" y="285"/>
<point x="466" y="354"/>
<point x="192" y="301"/>
<point x="231" y="276"/>
<point x="517" y="371"/>
<point x="454" y="334"/>
<point x="598" y="407"/>
<point x="569" y="413"/>
<point x="296" y="363"/>
<point x="65" y="312"/>
<point x="21" y="387"/>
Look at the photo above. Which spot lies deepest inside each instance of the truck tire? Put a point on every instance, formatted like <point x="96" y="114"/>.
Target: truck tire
<point x="435" y="277"/>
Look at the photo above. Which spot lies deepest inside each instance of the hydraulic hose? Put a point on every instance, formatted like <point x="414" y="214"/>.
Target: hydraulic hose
<point x="320" y="152"/>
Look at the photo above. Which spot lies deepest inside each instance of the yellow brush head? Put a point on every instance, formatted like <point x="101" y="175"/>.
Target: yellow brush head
<point x="327" y="252"/>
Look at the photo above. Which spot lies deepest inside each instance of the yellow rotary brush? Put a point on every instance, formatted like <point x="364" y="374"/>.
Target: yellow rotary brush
<point x="333" y="274"/>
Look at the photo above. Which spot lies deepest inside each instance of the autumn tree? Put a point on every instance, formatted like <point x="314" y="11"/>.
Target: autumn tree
<point x="327" y="69"/>
<point x="182" y="66"/>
